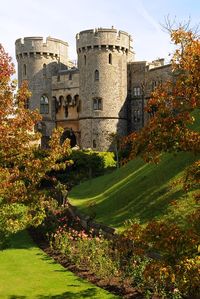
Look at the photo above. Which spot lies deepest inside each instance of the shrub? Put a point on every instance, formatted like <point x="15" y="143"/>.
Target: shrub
<point x="176" y="250"/>
<point x="87" y="251"/>
<point x="86" y="164"/>
<point x="172" y="273"/>
<point x="108" y="159"/>
<point x="187" y="276"/>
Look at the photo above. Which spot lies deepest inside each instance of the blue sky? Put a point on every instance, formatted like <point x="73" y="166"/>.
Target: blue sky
<point x="64" y="18"/>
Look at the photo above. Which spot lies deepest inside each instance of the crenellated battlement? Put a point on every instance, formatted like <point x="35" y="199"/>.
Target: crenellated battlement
<point x="101" y="38"/>
<point x="99" y="97"/>
<point x="38" y="45"/>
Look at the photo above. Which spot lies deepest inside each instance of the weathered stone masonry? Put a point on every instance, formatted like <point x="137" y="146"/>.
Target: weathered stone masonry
<point x="105" y="94"/>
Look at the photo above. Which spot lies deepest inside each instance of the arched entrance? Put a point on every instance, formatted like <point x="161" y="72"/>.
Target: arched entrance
<point x="68" y="133"/>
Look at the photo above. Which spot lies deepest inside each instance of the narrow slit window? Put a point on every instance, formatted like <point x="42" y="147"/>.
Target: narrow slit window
<point x="24" y="70"/>
<point x="96" y="75"/>
<point x="66" y="111"/>
<point x="44" y="69"/>
<point x="110" y="58"/>
<point x="94" y="143"/>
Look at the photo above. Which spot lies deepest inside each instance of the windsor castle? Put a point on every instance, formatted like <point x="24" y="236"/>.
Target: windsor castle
<point x="105" y="93"/>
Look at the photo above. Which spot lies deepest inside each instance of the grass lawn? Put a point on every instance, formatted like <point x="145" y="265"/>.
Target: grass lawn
<point x="137" y="190"/>
<point x="27" y="272"/>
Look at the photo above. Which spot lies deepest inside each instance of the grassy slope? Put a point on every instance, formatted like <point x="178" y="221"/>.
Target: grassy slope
<point x="138" y="190"/>
<point x="27" y="272"/>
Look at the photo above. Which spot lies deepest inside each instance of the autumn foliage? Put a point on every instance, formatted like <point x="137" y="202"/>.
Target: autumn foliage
<point x="172" y="103"/>
<point x="174" y="267"/>
<point x="172" y="107"/>
<point x="21" y="167"/>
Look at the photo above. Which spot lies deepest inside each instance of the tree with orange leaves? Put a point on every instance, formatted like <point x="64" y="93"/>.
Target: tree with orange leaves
<point x="22" y="202"/>
<point x="172" y="104"/>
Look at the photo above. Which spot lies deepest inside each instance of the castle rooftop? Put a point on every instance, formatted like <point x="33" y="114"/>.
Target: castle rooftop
<point x="37" y="44"/>
<point x="103" y="37"/>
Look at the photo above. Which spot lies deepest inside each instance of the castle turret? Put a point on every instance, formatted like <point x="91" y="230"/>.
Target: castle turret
<point x="38" y="61"/>
<point x="102" y="62"/>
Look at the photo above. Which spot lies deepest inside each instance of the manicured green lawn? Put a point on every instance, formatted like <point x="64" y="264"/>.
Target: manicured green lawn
<point x="137" y="190"/>
<point x="27" y="272"/>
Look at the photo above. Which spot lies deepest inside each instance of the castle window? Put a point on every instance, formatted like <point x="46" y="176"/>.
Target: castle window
<point x="66" y="111"/>
<point x="24" y="69"/>
<point x="136" y="116"/>
<point x="85" y="59"/>
<point x="97" y="104"/>
<point x="44" y="69"/>
<point x="136" y="91"/>
<point x="110" y="58"/>
<point x="96" y="75"/>
<point x="44" y="104"/>
<point x="70" y="76"/>
<point x="54" y="106"/>
<point x="61" y="101"/>
<point x="94" y="144"/>
<point x="69" y="99"/>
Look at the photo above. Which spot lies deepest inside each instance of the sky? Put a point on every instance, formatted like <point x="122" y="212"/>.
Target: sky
<point x="62" y="19"/>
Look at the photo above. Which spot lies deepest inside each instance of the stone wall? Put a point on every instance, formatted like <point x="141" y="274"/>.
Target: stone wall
<point x="37" y="45"/>
<point x="103" y="36"/>
<point x="38" y="61"/>
<point x="121" y="87"/>
<point x="65" y="91"/>
<point x="89" y="224"/>
<point x="143" y="78"/>
<point x="104" y="51"/>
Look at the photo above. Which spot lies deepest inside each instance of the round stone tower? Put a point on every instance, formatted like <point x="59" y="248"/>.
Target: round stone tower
<point x="38" y="61"/>
<point x="102" y="61"/>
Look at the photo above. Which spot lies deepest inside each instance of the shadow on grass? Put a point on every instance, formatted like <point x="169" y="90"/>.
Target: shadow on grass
<point x="144" y="195"/>
<point x="146" y="206"/>
<point x="89" y="293"/>
<point x="21" y="240"/>
<point x="46" y="257"/>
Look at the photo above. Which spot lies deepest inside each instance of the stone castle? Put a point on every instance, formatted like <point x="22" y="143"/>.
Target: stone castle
<point x="106" y="93"/>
